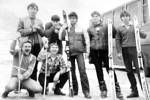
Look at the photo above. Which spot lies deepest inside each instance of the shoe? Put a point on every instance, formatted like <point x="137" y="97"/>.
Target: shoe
<point x="118" y="91"/>
<point x="47" y="90"/>
<point x="17" y="91"/>
<point x="31" y="94"/>
<point x="103" y="89"/>
<point x="133" y="94"/>
<point x="104" y="94"/>
<point x="75" y="93"/>
<point x="5" y="95"/>
<point x="87" y="95"/>
<point x="58" y="92"/>
<point x="119" y="95"/>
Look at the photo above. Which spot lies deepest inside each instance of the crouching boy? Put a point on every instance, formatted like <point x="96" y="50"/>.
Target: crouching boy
<point x="23" y="65"/>
<point x="56" y="68"/>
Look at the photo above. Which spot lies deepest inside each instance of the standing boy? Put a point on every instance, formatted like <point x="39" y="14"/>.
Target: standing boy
<point x="78" y="44"/>
<point x="98" y="33"/>
<point x="52" y="30"/>
<point x="125" y="43"/>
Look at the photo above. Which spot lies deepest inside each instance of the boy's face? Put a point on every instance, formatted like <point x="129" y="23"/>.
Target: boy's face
<point x="32" y="11"/>
<point x="125" y="19"/>
<point x="54" y="49"/>
<point x="56" y="24"/>
<point x="26" y="48"/>
<point x="73" y="20"/>
<point x="96" y="19"/>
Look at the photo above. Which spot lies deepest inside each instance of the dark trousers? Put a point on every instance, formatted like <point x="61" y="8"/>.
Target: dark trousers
<point x="63" y="79"/>
<point x="130" y="57"/>
<point x="83" y="76"/>
<point x="35" y="51"/>
<point x="100" y="59"/>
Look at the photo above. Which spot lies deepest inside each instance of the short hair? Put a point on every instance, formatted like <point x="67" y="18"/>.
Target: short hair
<point x="124" y="13"/>
<point x="55" y="43"/>
<point x="52" y="44"/>
<point x="33" y="5"/>
<point x="55" y="18"/>
<point x="26" y="41"/>
<point x="73" y="14"/>
<point x="95" y="13"/>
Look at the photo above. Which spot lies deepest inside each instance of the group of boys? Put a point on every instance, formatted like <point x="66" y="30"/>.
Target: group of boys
<point x="94" y="43"/>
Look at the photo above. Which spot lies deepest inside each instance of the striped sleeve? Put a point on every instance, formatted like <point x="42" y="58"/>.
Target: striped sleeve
<point x="31" y="66"/>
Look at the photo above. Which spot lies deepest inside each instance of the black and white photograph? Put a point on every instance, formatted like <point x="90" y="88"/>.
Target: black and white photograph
<point x="75" y="49"/>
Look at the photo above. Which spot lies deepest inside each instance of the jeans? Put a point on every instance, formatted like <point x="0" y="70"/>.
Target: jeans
<point x="82" y="71"/>
<point x="63" y="79"/>
<point x="35" y="51"/>
<point x="130" y="56"/>
<point x="100" y="59"/>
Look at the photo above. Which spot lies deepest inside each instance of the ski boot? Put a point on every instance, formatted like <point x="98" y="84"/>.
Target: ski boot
<point x="118" y="91"/>
<point x="103" y="89"/>
<point x="134" y="93"/>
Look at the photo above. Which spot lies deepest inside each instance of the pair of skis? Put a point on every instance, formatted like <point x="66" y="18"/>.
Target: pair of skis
<point x="67" y="50"/>
<point x="144" y="84"/>
<point x="45" y="78"/>
<point x="110" y="57"/>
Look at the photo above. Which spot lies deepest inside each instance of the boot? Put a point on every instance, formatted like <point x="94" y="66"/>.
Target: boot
<point x="87" y="95"/>
<point x="5" y="95"/>
<point x="103" y="89"/>
<point x="118" y="90"/>
<point x="31" y="94"/>
<point x="134" y="93"/>
<point x="57" y="91"/>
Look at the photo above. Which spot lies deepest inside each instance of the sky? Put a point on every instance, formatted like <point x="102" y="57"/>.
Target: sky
<point x="12" y="10"/>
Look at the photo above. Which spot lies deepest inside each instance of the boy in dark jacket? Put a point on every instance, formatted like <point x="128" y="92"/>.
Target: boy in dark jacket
<point x="52" y="30"/>
<point x="78" y="44"/>
<point x="98" y="33"/>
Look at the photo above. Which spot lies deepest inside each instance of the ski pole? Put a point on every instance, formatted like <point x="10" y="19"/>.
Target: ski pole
<point x="45" y="78"/>
<point x="19" y="67"/>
